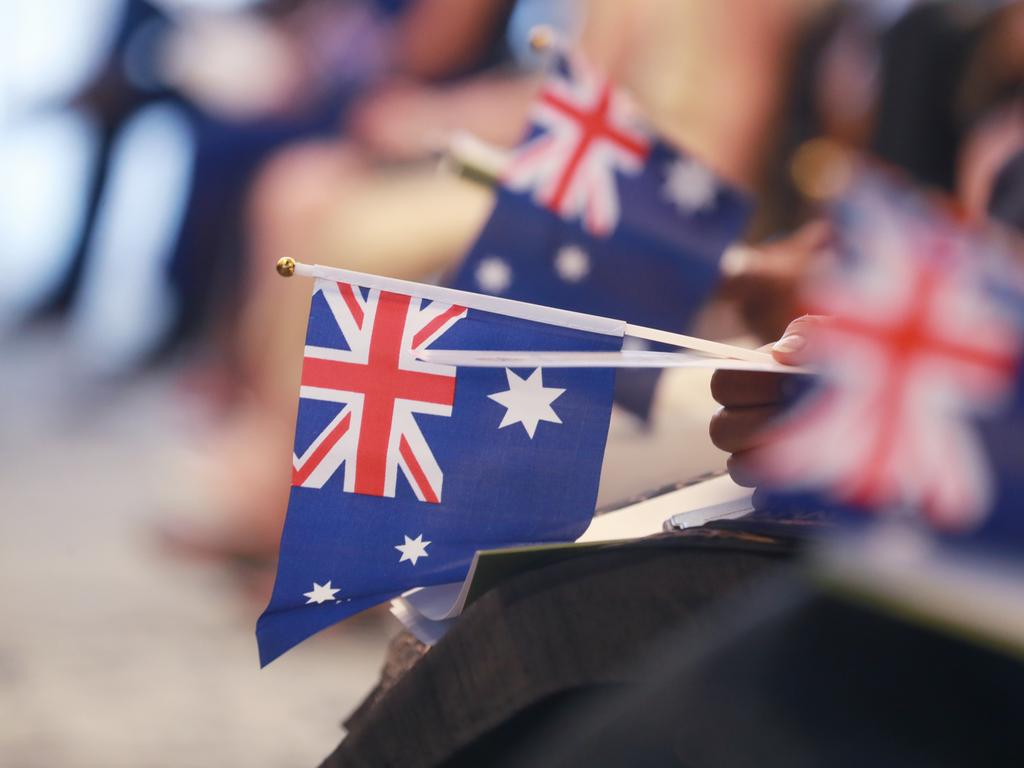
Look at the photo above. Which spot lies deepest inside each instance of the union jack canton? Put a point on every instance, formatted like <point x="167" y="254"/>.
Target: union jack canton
<point x="585" y="132"/>
<point x="403" y="469"/>
<point x="920" y="392"/>
<point x="382" y="386"/>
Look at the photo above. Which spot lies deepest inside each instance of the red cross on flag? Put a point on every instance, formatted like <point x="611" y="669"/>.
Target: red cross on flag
<point x="913" y="350"/>
<point x="585" y="131"/>
<point x="383" y="386"/>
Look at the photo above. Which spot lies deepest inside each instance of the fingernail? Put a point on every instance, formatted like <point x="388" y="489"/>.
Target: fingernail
<point x="790" y="344"/>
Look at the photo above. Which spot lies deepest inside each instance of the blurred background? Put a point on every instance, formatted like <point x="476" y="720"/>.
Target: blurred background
<point x="158" y="156"/>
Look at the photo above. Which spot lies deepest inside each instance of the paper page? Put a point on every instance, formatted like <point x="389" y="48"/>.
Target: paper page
<point x="710" y="500"/>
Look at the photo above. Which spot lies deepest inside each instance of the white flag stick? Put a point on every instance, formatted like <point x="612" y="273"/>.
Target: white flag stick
<point x="287" y="266"/>
<point x="538" y="313"/>
<point x="469" y="358"/>
<point x="715" y="348"/>
<point x="474" y="159"/>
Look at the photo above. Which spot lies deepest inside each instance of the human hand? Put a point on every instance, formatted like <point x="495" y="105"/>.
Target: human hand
<point x="751" y="400"/>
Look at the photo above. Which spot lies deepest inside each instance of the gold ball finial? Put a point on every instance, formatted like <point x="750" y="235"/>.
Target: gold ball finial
<point x="542" y="37"/>
<point x="286" y="266"/>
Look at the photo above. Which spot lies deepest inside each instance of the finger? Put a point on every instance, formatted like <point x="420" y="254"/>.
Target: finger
<point x="741" y="389"/>
<point x="745" y="388"/>
<point x="737" y="429"/>
<point x="742" y="469"/>
<point x="795" y="346"/>
<point x="814" y="235"/>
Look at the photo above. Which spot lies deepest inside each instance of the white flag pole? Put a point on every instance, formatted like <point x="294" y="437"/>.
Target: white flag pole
<point x="538" y="313"/>
<point x="473" y="159"/>
<point x="627" y="358"/>
<point x="714" y="348"/>
<point x="287" y="266"/>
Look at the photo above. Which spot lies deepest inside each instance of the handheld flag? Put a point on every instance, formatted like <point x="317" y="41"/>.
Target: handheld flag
<point x="403" y="468"/>
<point x="921" y="407"/>
<point x="595" y="213"/>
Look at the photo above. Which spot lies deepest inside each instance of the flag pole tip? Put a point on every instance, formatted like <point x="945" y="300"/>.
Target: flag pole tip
<point x="542" y="37"/>
<point x="286" y="266"/>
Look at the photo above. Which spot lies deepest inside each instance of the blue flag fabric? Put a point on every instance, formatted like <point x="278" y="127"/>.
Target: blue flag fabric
<point x="532" y="254"/>
<point x="403" y="469"/>
<point x="919" y="411"/>
<point x="595" y="213"/>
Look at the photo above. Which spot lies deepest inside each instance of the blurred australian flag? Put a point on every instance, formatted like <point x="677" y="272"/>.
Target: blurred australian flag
<point x="596" y="214"/>
<point x="403" y="468"/>
<point x="918" y="412"/>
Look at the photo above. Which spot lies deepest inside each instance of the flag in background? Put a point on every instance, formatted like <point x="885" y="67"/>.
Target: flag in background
<point x="403" y="469"/>
<point x="595" y="213"/>
<point x="920" y="407"/>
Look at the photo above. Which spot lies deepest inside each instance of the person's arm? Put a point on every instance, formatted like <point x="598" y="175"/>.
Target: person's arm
<point x="407" y="121"/>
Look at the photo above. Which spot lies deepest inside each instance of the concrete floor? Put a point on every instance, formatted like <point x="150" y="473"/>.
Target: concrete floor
<point x="111" y="654"/>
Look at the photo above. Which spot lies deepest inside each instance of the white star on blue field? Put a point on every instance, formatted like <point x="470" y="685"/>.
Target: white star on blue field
<point x="413" y="549"/>
<point x="527" y="401"/>
<point x="321" y="593"/>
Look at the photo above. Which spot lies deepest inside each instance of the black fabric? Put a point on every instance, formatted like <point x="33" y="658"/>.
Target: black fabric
<point x="793" y="677"/>
<point x="541" y="722"/>
<point x="557" y="635"/>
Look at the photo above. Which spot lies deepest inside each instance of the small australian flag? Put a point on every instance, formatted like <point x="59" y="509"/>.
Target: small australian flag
<point x="403" y="468"/>
<point x="595" y="213"/>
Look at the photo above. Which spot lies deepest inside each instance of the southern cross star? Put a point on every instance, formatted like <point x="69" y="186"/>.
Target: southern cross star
<point x="527" y="401"/>
<point x="690" y="185"/>
<point x="413" y="549"/>
<point x="493" y="275"/>
<point x="572" y="263"/>
<point x="321" y="593"/>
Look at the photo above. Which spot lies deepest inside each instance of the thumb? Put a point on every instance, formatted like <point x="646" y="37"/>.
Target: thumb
<point x="794" y="346"/>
